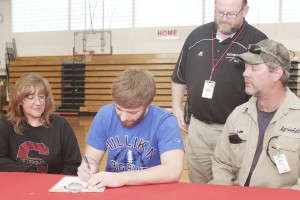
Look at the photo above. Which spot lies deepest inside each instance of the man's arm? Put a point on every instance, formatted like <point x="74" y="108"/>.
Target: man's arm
<point x="94" y="157"/>
<point x="178" y="91"/>
<point x="297" y="185"/>
<point x="221" y="167"/>
<point x="168" y="171"/>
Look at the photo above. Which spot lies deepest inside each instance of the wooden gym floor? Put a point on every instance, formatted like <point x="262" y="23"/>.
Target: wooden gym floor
<point x="81" y="125"/>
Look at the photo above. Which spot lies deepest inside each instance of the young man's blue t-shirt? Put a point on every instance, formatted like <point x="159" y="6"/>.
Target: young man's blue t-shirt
<point x="138" y="147"/>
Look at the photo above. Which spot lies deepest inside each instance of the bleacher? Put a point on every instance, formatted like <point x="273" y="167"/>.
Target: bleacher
<point x="84" y="91"/>
<point x="78" y="90"/>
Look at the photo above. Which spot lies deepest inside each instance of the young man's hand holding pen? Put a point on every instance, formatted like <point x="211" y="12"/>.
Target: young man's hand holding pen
<point x="86" y="169"/>
<point x="87" y="162"/>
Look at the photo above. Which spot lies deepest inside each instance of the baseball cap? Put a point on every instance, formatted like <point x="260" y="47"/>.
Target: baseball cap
<point x="267" y="51"/>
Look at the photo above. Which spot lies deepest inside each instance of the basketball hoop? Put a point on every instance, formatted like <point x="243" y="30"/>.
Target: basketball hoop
<point x="88" y="55"/>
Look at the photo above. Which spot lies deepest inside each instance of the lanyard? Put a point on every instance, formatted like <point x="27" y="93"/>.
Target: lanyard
<point x="213" y="51"/>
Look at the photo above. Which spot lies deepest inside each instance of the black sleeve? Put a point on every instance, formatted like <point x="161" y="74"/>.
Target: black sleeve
<point x="70" y="150"/>
<point x="8" y="164"/>
<point x="254" y="35"/>
<point x="178" y="75"/>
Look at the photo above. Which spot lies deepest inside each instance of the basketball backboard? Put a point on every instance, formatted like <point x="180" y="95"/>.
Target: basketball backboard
<point x="97" y="41"/>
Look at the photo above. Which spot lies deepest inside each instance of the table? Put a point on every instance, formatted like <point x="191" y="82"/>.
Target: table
<point x="31" y="186"/>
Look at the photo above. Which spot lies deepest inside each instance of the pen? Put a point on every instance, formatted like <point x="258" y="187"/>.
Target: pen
<point x="87" y="162"/>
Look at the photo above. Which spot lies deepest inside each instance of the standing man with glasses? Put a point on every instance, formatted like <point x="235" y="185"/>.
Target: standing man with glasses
<point x="32" y="137"/>
<point x="260" y="142"/>
<point x="214" y="81"/>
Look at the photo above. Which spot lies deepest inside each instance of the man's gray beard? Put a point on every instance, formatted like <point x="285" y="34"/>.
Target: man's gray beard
<point x="226" y="32"/>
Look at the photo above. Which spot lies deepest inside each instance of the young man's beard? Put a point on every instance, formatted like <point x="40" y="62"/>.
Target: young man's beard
<point x="130" y="123"/>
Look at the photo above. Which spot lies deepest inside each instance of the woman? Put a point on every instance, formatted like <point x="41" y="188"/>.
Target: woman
<point x="32" y="137"/>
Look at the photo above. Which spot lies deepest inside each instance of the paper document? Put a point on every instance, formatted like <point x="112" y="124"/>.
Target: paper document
<point x="73" y="184"/>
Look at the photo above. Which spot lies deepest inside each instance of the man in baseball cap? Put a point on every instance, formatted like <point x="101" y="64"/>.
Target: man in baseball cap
<point x="260" y="141"/>
<point x="267" y="51"/>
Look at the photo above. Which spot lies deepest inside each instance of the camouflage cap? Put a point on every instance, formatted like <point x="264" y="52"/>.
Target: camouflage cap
<point x="267" y="51"/>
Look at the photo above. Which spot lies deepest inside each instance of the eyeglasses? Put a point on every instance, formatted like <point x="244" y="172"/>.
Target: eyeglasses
<point x="267" y="150"/>
<point x="228" y="15"/>
<point x="256" y="49"/>
<point x="32" y="99"/>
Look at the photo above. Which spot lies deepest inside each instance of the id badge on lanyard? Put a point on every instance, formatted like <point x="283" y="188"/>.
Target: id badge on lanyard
<point x="281" y="162"/>
<point x="209" y="85"/>
<point x="208" y="89"/>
